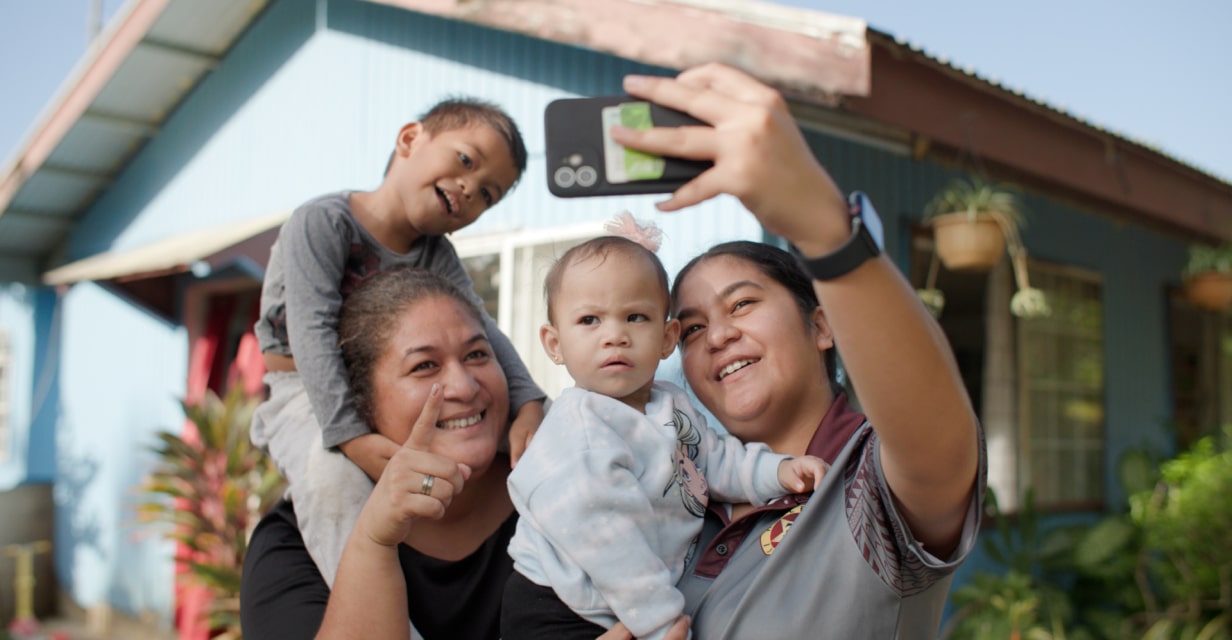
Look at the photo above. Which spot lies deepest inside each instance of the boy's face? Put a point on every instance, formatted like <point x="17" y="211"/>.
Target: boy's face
<point x="447" y="179"/>
<point x="609" y="326"/>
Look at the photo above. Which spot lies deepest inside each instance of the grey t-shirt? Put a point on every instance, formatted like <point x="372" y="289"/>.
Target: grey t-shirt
<point x="321" y="255"/>
<point x="838" y="564"/>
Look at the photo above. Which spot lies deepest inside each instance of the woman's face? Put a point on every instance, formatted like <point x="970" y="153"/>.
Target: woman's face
<point x="747" y="352"/>
<point x="436" y="341"/>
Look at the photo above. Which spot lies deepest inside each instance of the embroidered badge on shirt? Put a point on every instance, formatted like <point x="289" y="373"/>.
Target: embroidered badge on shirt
<point x="771" y="537"/>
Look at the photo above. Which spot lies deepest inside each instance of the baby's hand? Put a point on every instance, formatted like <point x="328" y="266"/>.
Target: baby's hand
<point x="523" y="429"/>
<point x="794" y="473"/>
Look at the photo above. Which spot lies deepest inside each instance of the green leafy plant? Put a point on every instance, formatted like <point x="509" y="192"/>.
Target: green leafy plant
<point x="1204" y="258"/>
<point x="1159" y="570"/>
<point x="1186" y="521"/>
<point x="1025" y="602"/>
<point x="207" y="492"/>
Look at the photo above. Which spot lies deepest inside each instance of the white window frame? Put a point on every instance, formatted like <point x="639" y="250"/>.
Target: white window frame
<point x="519" y="289"/>
<point x="1073" y="445"/>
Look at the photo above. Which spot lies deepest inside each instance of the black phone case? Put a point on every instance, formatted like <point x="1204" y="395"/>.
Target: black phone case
<point x="574" y="131"/>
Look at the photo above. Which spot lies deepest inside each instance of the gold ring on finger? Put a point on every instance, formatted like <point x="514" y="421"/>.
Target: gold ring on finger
<point x="426" y="487"/>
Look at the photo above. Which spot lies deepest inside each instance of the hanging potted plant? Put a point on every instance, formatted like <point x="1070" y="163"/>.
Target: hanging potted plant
<point x="971" y="220"/>
<point x="1208" y="276"/>
<point x="974" y="222"/>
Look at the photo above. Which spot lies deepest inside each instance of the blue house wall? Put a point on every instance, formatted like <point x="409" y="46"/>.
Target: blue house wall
<point x="309" y="101"/>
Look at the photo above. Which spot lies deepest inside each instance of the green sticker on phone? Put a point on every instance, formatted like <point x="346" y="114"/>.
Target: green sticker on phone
<point x="626" y="165"/>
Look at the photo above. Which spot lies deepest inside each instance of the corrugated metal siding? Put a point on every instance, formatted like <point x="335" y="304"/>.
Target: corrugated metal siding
<point x="279" y="123"/>
<point x="1136" y="266"/>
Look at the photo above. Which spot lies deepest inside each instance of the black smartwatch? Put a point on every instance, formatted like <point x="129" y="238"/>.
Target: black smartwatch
<point x="858" y="249"/>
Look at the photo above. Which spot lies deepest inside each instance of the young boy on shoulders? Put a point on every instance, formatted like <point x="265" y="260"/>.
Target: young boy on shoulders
<point x="459" y="160"/>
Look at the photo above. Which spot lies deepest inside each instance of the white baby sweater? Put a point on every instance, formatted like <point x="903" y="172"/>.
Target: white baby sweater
<point x="611" y="501"/>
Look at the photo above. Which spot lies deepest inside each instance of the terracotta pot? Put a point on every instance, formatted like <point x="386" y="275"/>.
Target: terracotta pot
<point x="1211" y="290"/>
<point x="968" y="245"/>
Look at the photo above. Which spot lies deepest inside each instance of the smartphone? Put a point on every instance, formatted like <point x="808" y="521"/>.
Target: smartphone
<point x="584" y="161"/>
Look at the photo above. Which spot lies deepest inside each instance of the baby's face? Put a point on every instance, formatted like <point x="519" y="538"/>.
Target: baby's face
<point x="610" y="327"/>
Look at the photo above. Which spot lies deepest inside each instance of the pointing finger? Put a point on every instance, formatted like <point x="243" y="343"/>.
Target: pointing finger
<point x="425" y="427"/>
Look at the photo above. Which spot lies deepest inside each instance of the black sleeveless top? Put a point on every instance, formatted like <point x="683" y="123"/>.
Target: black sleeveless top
<point x="283" y="596"/>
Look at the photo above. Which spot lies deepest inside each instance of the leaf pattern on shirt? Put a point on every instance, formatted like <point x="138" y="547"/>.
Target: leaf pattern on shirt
<point x="884" y="544"/>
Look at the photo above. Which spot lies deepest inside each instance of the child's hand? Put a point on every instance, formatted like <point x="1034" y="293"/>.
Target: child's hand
<point x="416" y="483"/>
<point x="371" y="452"/>
<point x="795" y="472"/>
<point x="758" y="152"/>
<point x="523" y="429"/>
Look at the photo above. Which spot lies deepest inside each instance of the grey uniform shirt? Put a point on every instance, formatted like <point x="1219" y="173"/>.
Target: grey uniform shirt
<point x="840" y="563"/>
<point x="321" y="255"/>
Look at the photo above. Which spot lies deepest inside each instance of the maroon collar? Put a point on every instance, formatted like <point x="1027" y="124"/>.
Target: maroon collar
<point x="836" y="428"/>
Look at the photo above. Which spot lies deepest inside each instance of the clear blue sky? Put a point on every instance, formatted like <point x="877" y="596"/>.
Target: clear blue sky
<point x="1153" y="71"/>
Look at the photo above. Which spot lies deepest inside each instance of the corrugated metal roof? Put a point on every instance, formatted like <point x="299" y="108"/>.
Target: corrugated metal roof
<point x="156" y="51"/>
<point x="974" y="75"/>
<point x="131" y="78"/>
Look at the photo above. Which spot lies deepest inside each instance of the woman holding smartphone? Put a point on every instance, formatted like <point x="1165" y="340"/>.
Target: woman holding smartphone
<point x="871" y="552"/>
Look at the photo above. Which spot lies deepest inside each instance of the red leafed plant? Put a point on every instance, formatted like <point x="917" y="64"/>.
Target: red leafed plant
<point x="208" y="491"/>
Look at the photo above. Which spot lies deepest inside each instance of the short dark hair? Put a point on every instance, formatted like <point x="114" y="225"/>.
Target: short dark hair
<point x="601" y="248"/>
<point x="776" y="264"/>
<point x="368" y="320"/>
<point x="458" y="112"/>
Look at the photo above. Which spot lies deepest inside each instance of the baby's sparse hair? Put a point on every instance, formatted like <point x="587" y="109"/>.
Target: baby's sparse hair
<point x="458" y="112"/>
<point x="601" y="248"/>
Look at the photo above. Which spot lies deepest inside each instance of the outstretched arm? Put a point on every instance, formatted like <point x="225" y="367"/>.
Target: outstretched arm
<point x="899" y="360"/>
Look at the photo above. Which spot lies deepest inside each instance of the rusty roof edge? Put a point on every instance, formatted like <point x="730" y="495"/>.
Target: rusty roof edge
<point x="974" y="78"/>
<point x="823" y="57"/>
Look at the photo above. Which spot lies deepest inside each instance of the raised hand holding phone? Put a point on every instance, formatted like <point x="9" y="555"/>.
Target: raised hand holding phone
<point x="583" y="159"/>
<point x="758" y="152"/>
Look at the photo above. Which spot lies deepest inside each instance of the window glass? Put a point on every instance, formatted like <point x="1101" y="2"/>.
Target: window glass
<point x="1061" y="390"/>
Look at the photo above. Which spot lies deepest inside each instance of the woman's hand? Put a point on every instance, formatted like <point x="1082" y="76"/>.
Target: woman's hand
<point x="399" y="496"/>
<point x="758" y="152"/>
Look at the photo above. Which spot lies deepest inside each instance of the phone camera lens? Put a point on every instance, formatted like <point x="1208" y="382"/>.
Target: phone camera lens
<point x="565" y="177"/>
<point x="587" y="176"/>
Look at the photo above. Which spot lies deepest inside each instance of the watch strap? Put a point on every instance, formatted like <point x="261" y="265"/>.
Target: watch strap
<point x="857" y="250"/>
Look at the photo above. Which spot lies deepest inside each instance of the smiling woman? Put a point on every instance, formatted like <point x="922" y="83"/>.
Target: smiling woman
<point x="446" y="170"/>
<point x="413" y="345"/>
<point x="871" y="552"/>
